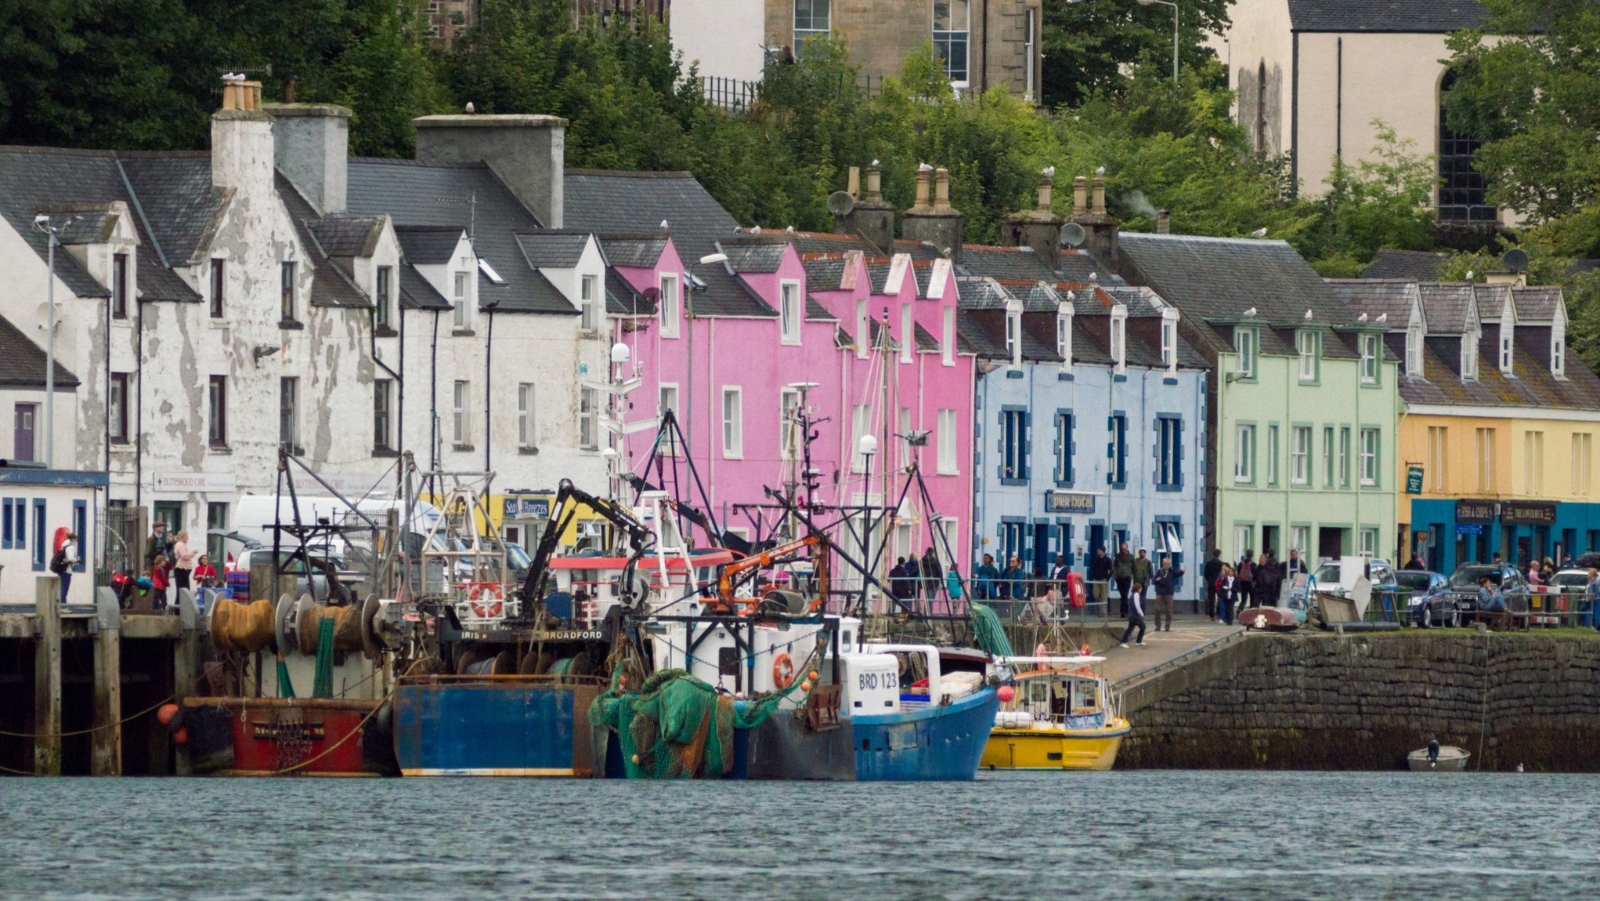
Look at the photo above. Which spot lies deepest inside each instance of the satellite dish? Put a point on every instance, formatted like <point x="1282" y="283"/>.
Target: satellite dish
<point x="1073" y="235"/>
<point x="1515" y="260"/>
<point x="841" y="203"/>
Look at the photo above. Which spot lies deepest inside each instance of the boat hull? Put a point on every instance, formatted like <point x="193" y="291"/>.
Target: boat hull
<point x="494" y="726"/>
<point x="930" y="744"/>
<point x="1054" y="749"/>
<point x="1451" y="760"/>
<point x="290" y="736"/>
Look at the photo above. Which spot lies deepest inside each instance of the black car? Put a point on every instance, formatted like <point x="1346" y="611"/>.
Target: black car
<point x="1464" y="586"/>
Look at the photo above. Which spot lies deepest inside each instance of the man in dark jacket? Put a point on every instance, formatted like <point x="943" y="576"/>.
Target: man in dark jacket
<point x="1212" y="572"/>
<point x="1143" y="571"/>
<point x="897" y="579"/>
<point x="932" y="574"/>
<point x="1163" y="581"/>
<point x="985" y="579"/>
<point x="1123" y="567"/>
<point x="1101" y="573"/>
<point x="913" y="580"/>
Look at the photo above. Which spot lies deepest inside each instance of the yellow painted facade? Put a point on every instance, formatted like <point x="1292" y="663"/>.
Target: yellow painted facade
<point x="1549" y="465"/>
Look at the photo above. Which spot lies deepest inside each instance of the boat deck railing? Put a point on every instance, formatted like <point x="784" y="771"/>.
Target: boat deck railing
<point x="506" y="679"/>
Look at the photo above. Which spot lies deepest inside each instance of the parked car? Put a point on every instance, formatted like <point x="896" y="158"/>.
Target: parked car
<point x="324" y="564"/>
<point x="1338" y="576"/>
<point x="1427" y="596"/>
<point x="1464" y="585"/>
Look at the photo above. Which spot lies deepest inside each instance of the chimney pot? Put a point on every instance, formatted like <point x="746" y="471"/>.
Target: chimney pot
<point x="1099" y="188"/>
<point x="1163" y="222"/>
<point x="874" y="184"/>
<point x="853" y="187"/>
<point x="924" y="177"/>
<point x="941" y="189"/>
<point x="1080" y="196"/>
<point x="1046" y="189"/>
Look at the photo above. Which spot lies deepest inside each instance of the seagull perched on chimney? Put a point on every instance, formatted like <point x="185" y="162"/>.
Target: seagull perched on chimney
<point x="1362" y="318"/>
<point x="1049" y="172"/>
<point x="1308" y="315"/>
<point x="924" y="167"/>
<point x="1383" y="317"/>
<point x="470" y="108"/>
<point x="1250" y="313"/>
<point x="1259" y="233"/>
<point x="874" y="162"/>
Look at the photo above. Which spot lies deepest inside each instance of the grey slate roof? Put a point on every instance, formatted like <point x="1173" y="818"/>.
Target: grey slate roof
<point x="36" y="179"/>
<point x="1445" y="305"/>
<point x="816" y="312"/>
<point x="22" y="362"/>
<point x="464" y="196"/>
<point x="637" y="252"/>
<point x="1417" y="265"/>
<point x="625" y="203"/>
<point x="980" y="293"/>
<point x="416" y="293"/>
<point x="1536" y="303"/>
<point x="1004" y="262"/>
<point x="826" y="274"/>
<point x="1216" y="280"/>
<point x="553" y="249"/>
<point x="1385" y="15"/>
<point x="755" y="258"/>
<point x="428" y="245"/>
<point x="1378" y="297"/>
<point x="623" y="299"/>
<point x="347" y="236"/>
<point x="331" y="285"/>
<point x="1077" y="265"/>
<point x="1533" y="385"/>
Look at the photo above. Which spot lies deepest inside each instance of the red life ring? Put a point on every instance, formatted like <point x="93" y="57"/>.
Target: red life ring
<point x="487" y="599"/>
<point x="1086" y="651"/>
<point x="782" y="671"/>
<point x="1075" y="594"/>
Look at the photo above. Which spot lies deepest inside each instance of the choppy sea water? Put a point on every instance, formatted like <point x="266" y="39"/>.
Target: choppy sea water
<point x="1122" y="835"/>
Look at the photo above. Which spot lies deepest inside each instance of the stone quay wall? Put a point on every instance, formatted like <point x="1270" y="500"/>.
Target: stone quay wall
<point x="1313" y="701"/>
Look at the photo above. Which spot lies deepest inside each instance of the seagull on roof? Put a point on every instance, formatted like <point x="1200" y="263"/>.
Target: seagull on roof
<point x="470" y="108"/>
<point x="1259" y="233"/>
<point x="1094" y="276"/>
<point x="1250" y="313"/>
<point x="789" y="230"/>
<point x="664" y="225"/>
<point x="1308" y="315"/>
<point x="1362" y="318"/>
<point x="1383" y="317"/>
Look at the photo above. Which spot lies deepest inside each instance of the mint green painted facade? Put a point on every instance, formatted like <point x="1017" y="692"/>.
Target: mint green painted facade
<point x="1307" y="463"/>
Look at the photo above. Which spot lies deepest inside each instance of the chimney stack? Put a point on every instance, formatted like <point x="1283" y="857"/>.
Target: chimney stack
<point x="938" y="223"/>
<point x="1100" y="227"/>
<point x="1038" y="228"/>
<point x="527" y="152"/>
<point x="1080" y="196"/>
<point x="312" y="149"/>
<point x="241" y="140"/>
<point x="853" y="186"/>
<point x="871" y="218"/>
<point x="1163" y="222"/>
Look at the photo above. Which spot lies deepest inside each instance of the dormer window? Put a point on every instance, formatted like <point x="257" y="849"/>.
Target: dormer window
<point x="1506" y="358"/>
<point x="119" y="286"/>
<point x="383" y="299"/>
<point x="1169" y="340"/>
<point x="1469" y="356"/>
<point x="1064" y="335"/>
<point x="1119" y="337"/>
<point x="907" y="338"/>
<point x="1308" y="343"/>
<point x="863" y="342"/>
<point x="1014" y="332"/>
<point x="1558" y="354"/>
<point x="461" y="300"/>
<point x="667" y="299"/>
<point x="1246" y="341"/>
<point x="1414" y="350"/>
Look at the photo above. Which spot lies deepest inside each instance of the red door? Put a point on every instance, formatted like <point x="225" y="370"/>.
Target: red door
<point x="26" y="414"/>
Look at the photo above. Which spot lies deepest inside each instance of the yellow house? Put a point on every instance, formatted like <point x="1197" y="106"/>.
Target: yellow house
<point x="1497" y="429"/>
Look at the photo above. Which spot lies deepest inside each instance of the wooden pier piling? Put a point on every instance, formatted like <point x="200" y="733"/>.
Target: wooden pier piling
<point x="105" y="744"/>
<point x="47" y="677"/>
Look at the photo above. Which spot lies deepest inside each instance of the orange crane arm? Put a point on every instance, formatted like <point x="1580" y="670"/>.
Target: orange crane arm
<point x="760" y="561"/>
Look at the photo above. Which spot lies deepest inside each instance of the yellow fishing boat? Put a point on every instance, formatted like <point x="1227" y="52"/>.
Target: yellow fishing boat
<point x="1060" y="716"/>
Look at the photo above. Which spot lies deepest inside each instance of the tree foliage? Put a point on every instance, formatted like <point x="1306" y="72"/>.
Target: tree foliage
<point x="1089" y="47"/>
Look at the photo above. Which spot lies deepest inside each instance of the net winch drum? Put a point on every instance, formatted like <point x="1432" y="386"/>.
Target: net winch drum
<point x="286" y="623"/>
<point x="371" y="643"/>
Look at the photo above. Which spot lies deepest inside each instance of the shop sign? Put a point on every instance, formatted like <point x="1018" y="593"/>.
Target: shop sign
<point x="1475" y="511"/>
<point x="1469" y="528"/>
<point x="1414" y="480"/>
<point x="199" y="482"/>
<point x="1533" y="513"/>
<point x="1068" y="502"/>
<point x="527" y="508"/>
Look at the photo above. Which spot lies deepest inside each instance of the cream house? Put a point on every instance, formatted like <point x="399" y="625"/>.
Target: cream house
<point x="1312" y="76"/>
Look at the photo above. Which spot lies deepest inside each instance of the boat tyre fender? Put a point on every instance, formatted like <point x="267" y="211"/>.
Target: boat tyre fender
<point x="782" y="671"/>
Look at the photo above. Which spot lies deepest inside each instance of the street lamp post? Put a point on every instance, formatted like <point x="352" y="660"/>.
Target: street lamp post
<point x="694" y="285"/>
<point x="53" y="235"/>
<point x="1174" y="31"/>
<point x="867" y="446"/>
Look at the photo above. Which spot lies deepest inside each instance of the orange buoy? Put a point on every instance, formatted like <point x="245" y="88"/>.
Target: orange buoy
<point x="165" y="713"/>
<point x="805" y="686"/>
<point x="181" y="737"/>
<point x="812" y="675"/>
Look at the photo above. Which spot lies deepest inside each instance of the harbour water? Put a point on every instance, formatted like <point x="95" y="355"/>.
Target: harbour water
<point x="1120" y="835"/>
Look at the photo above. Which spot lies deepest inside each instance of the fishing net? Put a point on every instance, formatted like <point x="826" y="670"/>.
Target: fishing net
<point x="991" y="633"/>
<point x="677" y="726"/>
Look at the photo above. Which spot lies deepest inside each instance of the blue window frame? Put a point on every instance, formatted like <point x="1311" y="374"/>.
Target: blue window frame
<point x="1169" y="452"/>
<point x="1013" y="540"/>
<point x="1117" y="451"/>
<point x="1169" y="533"/>
<point x="1065" y="447"/>
<point x="39" y="543"/>
<point x="1064" y="553"/>
<point x="1013" y="446"/>
<point x="6" y="540"/>
<point x="80" y="527"/>
<point x="19" y="523"/>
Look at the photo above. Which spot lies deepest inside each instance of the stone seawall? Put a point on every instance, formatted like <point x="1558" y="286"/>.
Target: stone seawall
<point x="1312" y="701"/>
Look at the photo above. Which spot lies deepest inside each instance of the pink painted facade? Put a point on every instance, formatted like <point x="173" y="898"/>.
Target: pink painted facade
<point x="744" y="366"/>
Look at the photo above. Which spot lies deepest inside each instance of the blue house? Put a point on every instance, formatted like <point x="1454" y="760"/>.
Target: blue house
<point x="1089" y="426"/>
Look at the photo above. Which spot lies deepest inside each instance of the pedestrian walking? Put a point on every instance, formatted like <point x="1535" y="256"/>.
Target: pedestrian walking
<point x="64" y="559"/>
<point x="1211" y="573"/>
<point x="1100" y="575"/>
<point x="932" y="574"/>
<point x="1142" y="570"/>
<point x="913" y="580"/>
<point x="897" y="579"/>
<point x="1245" y="577"/>
<point x="1296" y="564"/>
<point x="183" y="558"/>
<point x="1163" y="581"/>
<point x="1269" y="580"/>
<point x="1135" y="614"/>
<point x="205" y="575"/>
<point x="159" y="545"/>
<point x="1123" y="567"/>
<point x="160" y="568"/>
<point x="1227" y="590"/>
<point x="984" y="579"/>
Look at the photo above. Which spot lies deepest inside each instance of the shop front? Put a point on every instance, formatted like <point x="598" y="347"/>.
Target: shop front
<point x="1450" y="533"/>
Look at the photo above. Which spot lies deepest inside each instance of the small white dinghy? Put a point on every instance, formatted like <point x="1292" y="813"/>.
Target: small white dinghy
<point x="1451" y="759"/>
